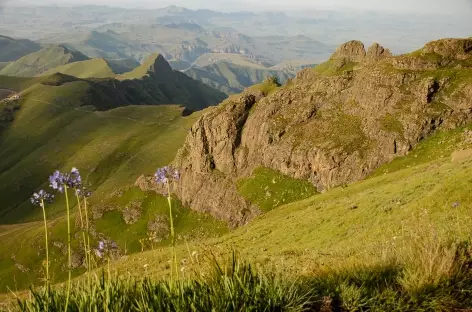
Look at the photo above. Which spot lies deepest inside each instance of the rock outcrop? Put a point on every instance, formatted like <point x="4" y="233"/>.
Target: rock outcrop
<point x="330" y="129"/>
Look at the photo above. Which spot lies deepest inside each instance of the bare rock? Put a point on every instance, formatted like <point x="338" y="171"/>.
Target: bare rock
<point x="132" y="212"/>
<point x="451" y="48"/>
<point x="376" y="52"/>
<point x="352" y="51"/>
<point x="158" y="229"/>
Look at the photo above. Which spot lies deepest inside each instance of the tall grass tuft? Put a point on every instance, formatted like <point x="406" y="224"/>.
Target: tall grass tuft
<point x="237" y="287"/>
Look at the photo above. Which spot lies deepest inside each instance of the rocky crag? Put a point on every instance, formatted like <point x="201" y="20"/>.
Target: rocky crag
<point x="331" y="125"/>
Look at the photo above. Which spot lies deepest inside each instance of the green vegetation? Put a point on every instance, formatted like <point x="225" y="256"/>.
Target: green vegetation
<point x="41" y="61"/>
<point x="189" y="225"/>
<point x="391" y="124"/>
<point x="234" y="78"/>
<point x="112" y="148"/>
<point x="270" y="189"/>
<point x="334" y="67"/>
<point x="437" y="147"/>
<point x="94" y="68"/>
<point x="395" y="242"/>
<point x="232" y="287"/>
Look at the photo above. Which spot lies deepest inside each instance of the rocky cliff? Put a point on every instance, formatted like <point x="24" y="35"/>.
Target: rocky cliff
<point x="331" y="125"/>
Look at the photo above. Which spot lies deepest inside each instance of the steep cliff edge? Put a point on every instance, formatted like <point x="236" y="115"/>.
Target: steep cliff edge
<point x="331" y="125"/>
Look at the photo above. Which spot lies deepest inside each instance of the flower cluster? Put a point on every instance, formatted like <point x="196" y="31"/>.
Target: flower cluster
<point x="41" y="196"/>
<point x="83" y="191"/>
<point x="58" y="180"/>
<point x="166" y="174"/>
<point x="105" y="247"/>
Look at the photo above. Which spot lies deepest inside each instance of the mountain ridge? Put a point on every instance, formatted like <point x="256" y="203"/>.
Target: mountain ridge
<point x="331" y="125"/>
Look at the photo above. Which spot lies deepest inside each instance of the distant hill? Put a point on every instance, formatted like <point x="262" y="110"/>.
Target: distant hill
<point x="233" y="78"/>
<point x="95" y="68"/>
<point x="39" y="62"/>
<point x="12" y="49"/>
<point x="153" y="83"/>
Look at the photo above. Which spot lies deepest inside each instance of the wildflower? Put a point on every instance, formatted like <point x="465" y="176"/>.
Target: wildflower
<point x="74" y="180"/>
<point x="58" y="180"/>
<point x="83" y="191"/>
<point x="105" y="248"/>
<point x="455" y="205"/>
<point x="40" y="196"/>
<point x="165" y="174"/>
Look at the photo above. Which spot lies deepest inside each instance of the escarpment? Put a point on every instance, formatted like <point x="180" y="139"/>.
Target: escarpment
<point x="331" y="125"/>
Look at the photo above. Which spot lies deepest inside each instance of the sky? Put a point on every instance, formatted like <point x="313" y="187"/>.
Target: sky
<point x="426" y="6"/>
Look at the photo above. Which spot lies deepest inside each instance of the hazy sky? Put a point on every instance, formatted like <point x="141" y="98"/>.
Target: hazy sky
<point x="442" y="6"/>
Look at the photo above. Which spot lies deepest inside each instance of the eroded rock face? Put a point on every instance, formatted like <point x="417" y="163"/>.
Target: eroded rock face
<point x="451" y="48"/>
<point x="352" y="51"/>
<point x="376" y="52"/>
<point x="328" y="129"/>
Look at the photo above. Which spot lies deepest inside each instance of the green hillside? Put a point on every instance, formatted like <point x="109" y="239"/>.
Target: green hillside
<point x="39" y="62"/>
<point x="12" y="49"/>
<point x="94" y="68"/>
<point x="62" y="121"/>
<point x="233" y="78"/>
<point x="388" y="241"/>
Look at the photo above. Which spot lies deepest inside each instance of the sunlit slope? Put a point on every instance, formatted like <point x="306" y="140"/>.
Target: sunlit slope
<point x="360" y="224"/>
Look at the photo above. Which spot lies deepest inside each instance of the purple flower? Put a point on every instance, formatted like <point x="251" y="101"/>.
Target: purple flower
<point x="74" y="180"/>
<point x="105" y="247"/>
<point x="40" y="196"/>
<point x="101" y="245"/>
<point x="83" y="191"/>
<point x="58" y="180"/>
<point x="165" y="174"/>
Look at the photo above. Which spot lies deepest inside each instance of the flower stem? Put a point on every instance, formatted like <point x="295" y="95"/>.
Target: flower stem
<point x="172" y="232"/>
<point x="83" y="234"/>
<point x="88" y="236"/>
<point x="47" y="253"/>
<point x="69" y="258"/>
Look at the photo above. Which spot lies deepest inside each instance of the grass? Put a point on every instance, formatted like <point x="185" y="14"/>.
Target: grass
<point x="439" y="146"/>
<point x="391" y="124"/>
<point x="41" y="61"/>
<point x="94" y="68"/>
<point x="360" y="228"/>
<point x="113" y="148"/>
<point x="270" y="189"/>
<point x="238" y="286"/>
<point x="330" y="68"/>
<point x="189" y="225"/>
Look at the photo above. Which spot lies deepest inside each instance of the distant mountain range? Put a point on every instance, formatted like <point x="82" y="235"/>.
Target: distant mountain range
<point x="226" y="72"/>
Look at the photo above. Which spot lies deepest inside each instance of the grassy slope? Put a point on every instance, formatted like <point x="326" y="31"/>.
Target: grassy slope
<point x="355" y="225"/>
<point x="94" y="68"/>
<point x="41" y="61"/>
<point x="112" y="149"/>
<point x="233" y="78"/>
